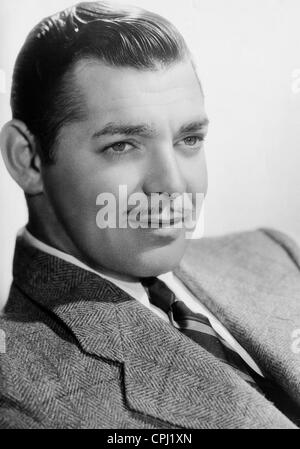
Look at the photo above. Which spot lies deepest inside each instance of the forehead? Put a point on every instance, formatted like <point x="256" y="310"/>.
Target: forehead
<point x="171" y="94"/>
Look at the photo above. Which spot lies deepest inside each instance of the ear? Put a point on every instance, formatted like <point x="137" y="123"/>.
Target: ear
<point x="19" y="151"/>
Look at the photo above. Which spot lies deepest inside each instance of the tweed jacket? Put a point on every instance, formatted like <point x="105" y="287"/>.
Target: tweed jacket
<point x="82" y="353"/>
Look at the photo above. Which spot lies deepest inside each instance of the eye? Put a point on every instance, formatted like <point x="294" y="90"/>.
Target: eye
<point x="192" y="141"/>
<point x="120" y="147"/>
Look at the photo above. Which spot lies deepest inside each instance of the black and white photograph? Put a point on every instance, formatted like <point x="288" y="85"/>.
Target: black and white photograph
<point x="150" y="217"/>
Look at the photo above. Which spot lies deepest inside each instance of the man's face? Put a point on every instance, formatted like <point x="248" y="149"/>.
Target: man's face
<point x="143" y="129"/>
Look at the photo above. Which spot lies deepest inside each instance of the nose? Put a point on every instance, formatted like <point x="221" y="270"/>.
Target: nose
<point x="164" y="174"/>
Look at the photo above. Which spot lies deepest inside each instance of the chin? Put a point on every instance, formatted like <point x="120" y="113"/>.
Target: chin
<point x="160" y="260"/>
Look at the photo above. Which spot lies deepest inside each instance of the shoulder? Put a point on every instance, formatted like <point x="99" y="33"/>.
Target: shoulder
<point x="18" y="356"/>
<point x="252" y="250"/>
<point x="31" y="345"/>
<point x="251" y="271"/>
<point x="31" y="338"/>
<point x="26" y="347"/>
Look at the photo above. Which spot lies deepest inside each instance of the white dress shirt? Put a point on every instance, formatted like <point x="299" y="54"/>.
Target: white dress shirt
<point x="137" y="291"/>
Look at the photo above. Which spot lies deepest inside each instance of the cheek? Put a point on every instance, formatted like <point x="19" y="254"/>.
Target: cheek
<point x="196" y="176"/>
<point x="73" y="187"/>
<point x="71" y="193"/>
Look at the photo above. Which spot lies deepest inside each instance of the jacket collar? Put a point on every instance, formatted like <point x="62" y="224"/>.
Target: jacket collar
<point x="170" y="378"/>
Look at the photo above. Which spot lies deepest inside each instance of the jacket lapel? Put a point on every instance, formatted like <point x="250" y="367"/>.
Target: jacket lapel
<point x="165" y="375"/>
<point x="170" y="377"/>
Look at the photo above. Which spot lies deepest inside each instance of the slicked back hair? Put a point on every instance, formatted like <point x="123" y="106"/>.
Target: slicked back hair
<point x="43" y="95"/>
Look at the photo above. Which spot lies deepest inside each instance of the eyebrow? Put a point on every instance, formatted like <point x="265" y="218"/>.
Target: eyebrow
<point x="111" y="129"/>
<point x="194" y="126"/>
<point x="145" y="130"/>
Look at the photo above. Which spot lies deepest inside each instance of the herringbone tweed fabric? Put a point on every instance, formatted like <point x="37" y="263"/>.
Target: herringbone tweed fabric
<point x="81" y="353"/>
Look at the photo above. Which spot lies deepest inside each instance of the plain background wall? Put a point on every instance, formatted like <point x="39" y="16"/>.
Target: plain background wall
<point x="248" y="54"/>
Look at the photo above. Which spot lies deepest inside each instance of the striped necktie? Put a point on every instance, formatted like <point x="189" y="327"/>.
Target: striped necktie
<point x="197" y="327"/>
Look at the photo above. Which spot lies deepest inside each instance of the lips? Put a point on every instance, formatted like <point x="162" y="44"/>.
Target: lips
<point x="159" y="219"/>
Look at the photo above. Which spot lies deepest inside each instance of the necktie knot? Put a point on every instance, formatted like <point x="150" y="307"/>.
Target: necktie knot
<point x="159" y="294"/>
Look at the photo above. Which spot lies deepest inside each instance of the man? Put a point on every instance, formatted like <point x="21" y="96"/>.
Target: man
<point x="105" y="97"/>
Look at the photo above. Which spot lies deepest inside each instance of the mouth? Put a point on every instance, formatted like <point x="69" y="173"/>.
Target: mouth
<point x="158" y="221"/>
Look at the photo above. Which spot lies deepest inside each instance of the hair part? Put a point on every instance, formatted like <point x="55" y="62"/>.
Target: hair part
<point x="43" y="95"/>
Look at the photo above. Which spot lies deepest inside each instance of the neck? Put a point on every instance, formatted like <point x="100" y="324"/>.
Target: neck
<point x="38" y="232"/>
